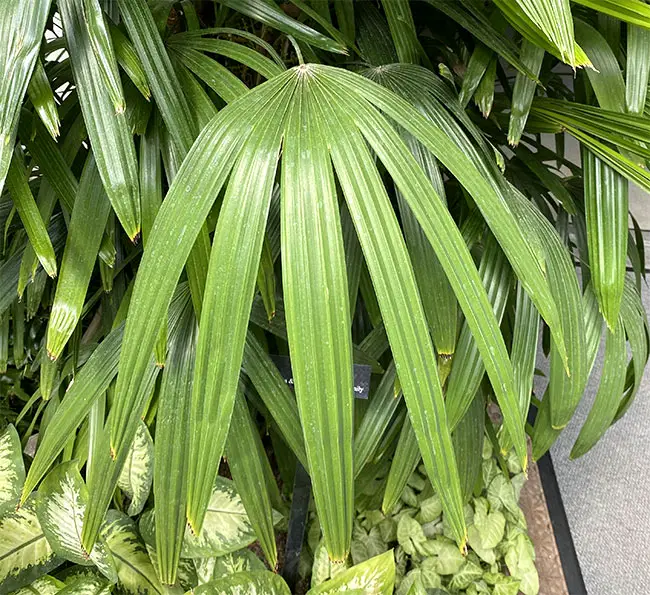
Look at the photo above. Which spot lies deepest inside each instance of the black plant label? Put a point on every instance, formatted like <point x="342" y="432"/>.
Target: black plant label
<point x="361" y="375"/>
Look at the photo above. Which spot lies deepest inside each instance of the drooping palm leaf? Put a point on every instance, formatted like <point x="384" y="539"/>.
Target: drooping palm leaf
<point x="476" y="176"/>
<point x="25" y="204"/>
<point x="106" y="124"/>
<point x="635" y="12"/>
<point x="609" y="393"/>
<point x="21" y="30"/>
<point x="637" y="68"/>
<point x="145" y="315"/>
<point x="42" y="98"/>
<point x="89" y="217"/>
<point x="532" y="31"/>
<point x="230" y="287"/>
<point x="171" y="448"/>
<point x="399" y="297"/>
<point x="524" y="89"/>
<point x="274" y="17"/>
<point x="565" y="389"/>
<point x="376" y="216"/>
<point x="318" y="312"/>
<point x="553" y="17"/>
<point x="248" y="473"/>
<point x="606" y="210"/>
<point x="480" y="26"/>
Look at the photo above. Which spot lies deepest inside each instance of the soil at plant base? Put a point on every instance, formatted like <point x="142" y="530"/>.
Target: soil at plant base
<point x="540" y="530"/>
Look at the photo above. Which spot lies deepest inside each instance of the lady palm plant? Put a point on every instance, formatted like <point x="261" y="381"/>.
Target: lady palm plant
<point x="347" y="183"/>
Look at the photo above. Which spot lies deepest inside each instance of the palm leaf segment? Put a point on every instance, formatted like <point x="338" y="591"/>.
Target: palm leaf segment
<point x="321" y="118"/>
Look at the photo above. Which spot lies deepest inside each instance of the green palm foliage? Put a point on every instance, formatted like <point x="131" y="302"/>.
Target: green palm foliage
<point x="341" y="182"/>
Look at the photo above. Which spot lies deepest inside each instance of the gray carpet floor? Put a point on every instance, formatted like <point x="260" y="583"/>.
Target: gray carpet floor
<point x="606" y="494"/>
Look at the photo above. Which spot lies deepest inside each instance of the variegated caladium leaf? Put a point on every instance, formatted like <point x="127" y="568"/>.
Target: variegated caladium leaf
<point x="252" y="583"/>
<point x="227" y="527"/>
<point x="372" y="577"/>
<point x="135" y="572"/>
<point x="211" y="569"/>
<point x="12" y="469"/>
<point x="61" y="504"/>
<point x="137" y="473"/>
<point x="44" y="585"/>
<point x="86" y="585"/>
<point x="25" y="553"/>
<point x="186" y="575"/>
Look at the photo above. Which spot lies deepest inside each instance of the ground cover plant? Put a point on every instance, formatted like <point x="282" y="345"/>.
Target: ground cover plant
<point x="190" y="190"/>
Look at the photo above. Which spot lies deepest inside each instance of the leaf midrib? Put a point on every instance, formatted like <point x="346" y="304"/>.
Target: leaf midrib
<point x="22" y="546"/>
<point x="233" y="512"/>
<point x="136" y="570"/>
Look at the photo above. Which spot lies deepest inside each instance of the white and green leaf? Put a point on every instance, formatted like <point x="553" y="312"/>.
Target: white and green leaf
<point x="372" y="577"/>
<point x="12" y="470"/>
<point x="25" y="552"/>
<point x="226" y="527"/>
<point x="135" y="572"/>
<point x="260" y="582"/>
<point x="137" y="474"/>
<point x="61" y="504"/>
<point x="45" y="585"/>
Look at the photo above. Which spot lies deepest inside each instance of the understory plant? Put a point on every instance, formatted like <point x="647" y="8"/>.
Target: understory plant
<point x="191" y="190"/>
<point x="500" y="557"/>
